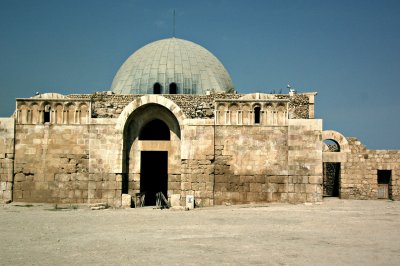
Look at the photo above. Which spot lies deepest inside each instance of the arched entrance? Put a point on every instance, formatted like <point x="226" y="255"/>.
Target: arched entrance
<point x="334" y="153"/>
<point x="151" y="150"/>
<point x="331" y="171"/>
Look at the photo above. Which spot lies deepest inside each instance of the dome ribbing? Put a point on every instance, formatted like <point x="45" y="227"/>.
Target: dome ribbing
<point x="171" y="66"/>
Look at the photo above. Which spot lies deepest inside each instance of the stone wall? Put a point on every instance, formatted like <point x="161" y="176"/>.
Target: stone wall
<point x="265" y="164"/>
<point x="6" y="158"/>
<point x="105" y="167"/>
<point x="67" y="164"/>
<point x="197" y="166"/>
<point x="305" y="160"/>
<point x="250" y="169"/>
<point x="51" y="163"/>
<point x="359" y="174"/>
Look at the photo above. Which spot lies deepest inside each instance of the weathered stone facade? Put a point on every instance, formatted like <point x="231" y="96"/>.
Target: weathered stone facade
<point x="220" y="148"/>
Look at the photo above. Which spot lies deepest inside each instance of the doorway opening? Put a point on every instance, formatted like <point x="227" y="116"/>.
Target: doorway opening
<point x="331" y="179"/>
<point x="153" y="175"/>
<point x="384" y="184"/>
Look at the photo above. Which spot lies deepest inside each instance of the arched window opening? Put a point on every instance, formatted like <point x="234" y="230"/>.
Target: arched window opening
<point x="173" y="88"/>
<point x="46" y="114"/>
<point x="157" y="88"/>
<point x="155" y="130"/>
<point x="331" y="146"/>
<point x="257" y="115"/>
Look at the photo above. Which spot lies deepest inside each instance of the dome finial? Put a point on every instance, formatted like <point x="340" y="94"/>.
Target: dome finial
<point x="173" y="24"/>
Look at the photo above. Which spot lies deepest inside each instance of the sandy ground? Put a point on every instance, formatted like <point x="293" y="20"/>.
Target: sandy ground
<point x="336" y="232"/>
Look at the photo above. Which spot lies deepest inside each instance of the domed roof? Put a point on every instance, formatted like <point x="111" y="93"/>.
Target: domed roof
<point x="171" y="66"/>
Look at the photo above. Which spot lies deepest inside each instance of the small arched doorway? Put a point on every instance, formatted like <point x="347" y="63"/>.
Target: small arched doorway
<point x="173" y="88"/>
<point x="331" y="171"/>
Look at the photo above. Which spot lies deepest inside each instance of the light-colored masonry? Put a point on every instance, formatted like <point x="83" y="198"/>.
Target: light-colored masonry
<point x="219" y="148"/>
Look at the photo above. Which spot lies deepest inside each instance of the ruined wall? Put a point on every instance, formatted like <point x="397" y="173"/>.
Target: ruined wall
<point x="6" y="158"/>
<point x="359" y="174"/>
<point x="109" y="105"/>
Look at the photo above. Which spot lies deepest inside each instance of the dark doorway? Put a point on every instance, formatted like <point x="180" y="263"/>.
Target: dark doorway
<point x="384" y="184"/>
<point x="173" y="88"/>
<point x="155" y="130"/>
<point x="331" y="179"/>
<point x="157" y="88"/>
<point x="153" y="175"/>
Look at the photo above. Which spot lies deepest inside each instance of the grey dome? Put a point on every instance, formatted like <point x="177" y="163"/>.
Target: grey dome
<point x="189" y="67"/>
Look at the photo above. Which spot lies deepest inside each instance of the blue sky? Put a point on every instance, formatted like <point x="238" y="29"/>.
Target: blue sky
<point x="347" y="51"/>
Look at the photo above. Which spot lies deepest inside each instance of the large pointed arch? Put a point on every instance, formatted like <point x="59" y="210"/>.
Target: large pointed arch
<point x="140" y="125"/>
<point x="148" y="99"/>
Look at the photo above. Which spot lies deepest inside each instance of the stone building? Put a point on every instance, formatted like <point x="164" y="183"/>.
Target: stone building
<point x="172" y="123"/>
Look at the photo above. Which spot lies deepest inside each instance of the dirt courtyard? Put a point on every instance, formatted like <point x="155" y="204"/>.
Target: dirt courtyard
<point x="336" y="232"/>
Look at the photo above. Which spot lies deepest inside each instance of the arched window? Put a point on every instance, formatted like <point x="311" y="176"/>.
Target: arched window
<point x="173" y="88"/>
<point x="46" y="114"/>
<point x="157" y="88"/>
<point x="155" y="130"/>
<point x="257" y="115"/>
<point x="331" y="145"/>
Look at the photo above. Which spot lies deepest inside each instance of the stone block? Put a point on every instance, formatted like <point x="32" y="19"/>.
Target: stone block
<point x="315" y="179"/>
<point x="126" y="200"/>
<point x="19" y="177"/>
<point x="175" y="200"/>
<point x="3" y="186"/>
<point x="310" y="188"/>
<point x="17" y="194"/>
<point x="282" y="188"/>
<point x="277" y="179"/>
<point x="174" y="185"/>
<point x="255" y="187"/>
